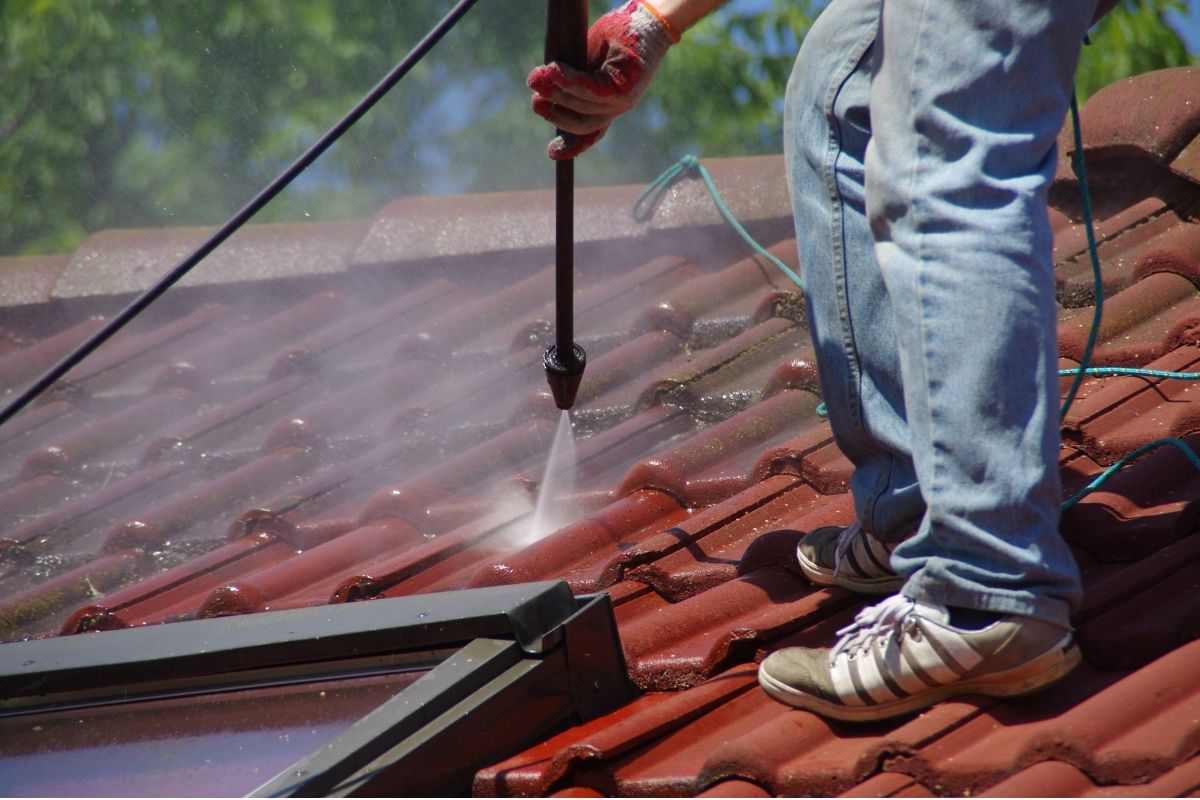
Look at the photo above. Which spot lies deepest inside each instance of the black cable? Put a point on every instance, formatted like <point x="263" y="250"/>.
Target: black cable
<point x="240" y="218"/>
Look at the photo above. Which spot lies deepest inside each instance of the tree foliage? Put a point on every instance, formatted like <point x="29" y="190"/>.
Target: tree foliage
<point x="1132" y="39"/>
<point x="130" y="113"/>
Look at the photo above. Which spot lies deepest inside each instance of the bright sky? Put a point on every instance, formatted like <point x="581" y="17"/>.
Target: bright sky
<point x="1189" y="27"/>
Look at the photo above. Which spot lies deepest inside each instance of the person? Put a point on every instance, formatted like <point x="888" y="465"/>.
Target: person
<point x="920" y="141"/>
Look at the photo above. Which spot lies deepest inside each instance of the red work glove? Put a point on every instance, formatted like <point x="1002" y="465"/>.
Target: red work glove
<point x="624" y="49"/>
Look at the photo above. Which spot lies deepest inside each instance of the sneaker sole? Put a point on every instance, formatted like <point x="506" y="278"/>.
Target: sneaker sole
<point x="823" y="576"/>
<point x="1025" y="679"/>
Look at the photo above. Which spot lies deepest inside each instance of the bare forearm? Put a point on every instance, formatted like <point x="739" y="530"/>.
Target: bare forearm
<point x="683" y="14"/>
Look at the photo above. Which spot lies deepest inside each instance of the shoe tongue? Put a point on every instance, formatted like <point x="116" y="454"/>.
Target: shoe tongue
<point x="933" y="612"/>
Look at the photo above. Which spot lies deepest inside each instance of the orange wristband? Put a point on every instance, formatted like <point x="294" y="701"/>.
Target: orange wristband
<point x="667" y="26"/>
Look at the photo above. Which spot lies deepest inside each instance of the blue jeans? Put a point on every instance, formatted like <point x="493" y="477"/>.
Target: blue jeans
<point x="919" y="172"/>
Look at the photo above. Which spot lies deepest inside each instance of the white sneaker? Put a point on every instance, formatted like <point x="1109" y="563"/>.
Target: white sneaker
<point x="850" y="558"/>
<point x="901" y="655"/>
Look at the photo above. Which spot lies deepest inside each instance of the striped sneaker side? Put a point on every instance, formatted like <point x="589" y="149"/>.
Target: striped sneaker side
<point x="904" y="659"/>
<point x="850" y="558"/>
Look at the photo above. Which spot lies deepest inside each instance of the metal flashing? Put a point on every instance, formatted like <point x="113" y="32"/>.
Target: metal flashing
<point x="35" y="672"/>
<point x="494" y="652"/>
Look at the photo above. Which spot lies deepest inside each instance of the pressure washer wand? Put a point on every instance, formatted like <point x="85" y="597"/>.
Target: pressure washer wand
<point x="566" y="42"/>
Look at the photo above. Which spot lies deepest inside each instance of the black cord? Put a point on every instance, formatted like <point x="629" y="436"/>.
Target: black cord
<point x="241" y="217"/>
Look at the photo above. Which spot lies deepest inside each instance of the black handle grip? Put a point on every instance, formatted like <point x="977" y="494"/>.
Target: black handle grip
<point x="566" y="43"/>
<point x="566" y="32"/>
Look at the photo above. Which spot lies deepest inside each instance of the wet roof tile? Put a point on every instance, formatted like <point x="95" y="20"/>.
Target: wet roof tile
<point x="589" y="553"/>
<point x="27" y="363"/>
<point x="179" y="590"/>
<point x="718" y="461"/>
<point x="378" y="425"/>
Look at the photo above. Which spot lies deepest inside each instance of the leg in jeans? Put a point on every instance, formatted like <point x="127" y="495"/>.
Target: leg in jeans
<point x="947" y="255"/>
<point x="967" y="99"/>
<point x="825" y="138"/>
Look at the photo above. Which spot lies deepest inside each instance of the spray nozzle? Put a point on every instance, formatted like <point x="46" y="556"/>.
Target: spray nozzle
<point x="564" y="375"/>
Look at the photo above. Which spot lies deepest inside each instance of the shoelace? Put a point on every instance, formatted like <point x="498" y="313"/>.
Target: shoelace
<point x="882" y="618"/>
<point x="844" y="543"/>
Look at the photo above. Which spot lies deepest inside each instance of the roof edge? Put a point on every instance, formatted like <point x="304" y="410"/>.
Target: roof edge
<point x="414" y="229"/>
<point x="409" y="230"/>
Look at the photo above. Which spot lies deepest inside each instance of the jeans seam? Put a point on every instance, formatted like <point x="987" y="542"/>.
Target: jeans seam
<point x="849" y="344"/>
<point x="913" y="202"/>
<point x="832" y="153"/>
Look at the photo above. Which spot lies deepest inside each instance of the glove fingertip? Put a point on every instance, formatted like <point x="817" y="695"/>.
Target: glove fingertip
<point x="569" y="145"/>
<point x="543" y="79"/>
<point x="559" y="150"/>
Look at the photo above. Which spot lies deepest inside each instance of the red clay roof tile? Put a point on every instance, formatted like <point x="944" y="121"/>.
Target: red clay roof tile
<point x="589" y="553"/>
<point x="42" y="602"/>
<point x="196" y="506"/>
<point x="734" y="788"/>
<point x="717" y="556"/>
<point x="1139" y="324"/>
<point x="180" y="590"/>
<point x="23" y="366"/>
<point x="1187" y="163"/>
<point x="1131" y="411"/>
<point x="1099" y="721"/>
<point x="676" y="645"/>
<point x="717" y="462"/>
<point x="26" y="280"/>
<point x="385" y="432"/>
<point x="1117" y="115"/>
<point x="1141" y="510"/>
<point x="119" y="360"/>
<point x="1057" y="779"/>
<point x="889" y="784"/>
<point x="121" y="261"/>
<point x="646" y="719"/>
<point x="325" y="564"/>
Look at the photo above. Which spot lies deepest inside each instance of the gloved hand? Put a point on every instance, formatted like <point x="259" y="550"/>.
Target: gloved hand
<point x="624" y="48"/>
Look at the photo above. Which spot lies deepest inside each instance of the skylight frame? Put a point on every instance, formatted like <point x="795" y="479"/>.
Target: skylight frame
<point x="490" y="652"/>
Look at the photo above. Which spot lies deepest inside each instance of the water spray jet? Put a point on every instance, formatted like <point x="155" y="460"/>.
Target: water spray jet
<point x="566" y="42"/>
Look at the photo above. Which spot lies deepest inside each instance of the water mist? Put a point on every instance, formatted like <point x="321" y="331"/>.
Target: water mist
<point x="558" y="483"/>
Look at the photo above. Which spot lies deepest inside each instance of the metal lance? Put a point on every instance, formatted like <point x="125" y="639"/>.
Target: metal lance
<point x="566" y="42"/>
